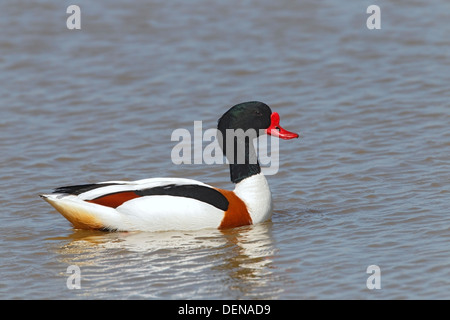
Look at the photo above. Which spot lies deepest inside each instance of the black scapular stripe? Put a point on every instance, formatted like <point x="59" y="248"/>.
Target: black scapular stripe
<point x="194" y="191"/>
<point x="79" y="189"/>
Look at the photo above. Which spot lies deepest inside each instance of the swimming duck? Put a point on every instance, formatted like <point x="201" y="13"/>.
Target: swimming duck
<point x="159" y="204"/>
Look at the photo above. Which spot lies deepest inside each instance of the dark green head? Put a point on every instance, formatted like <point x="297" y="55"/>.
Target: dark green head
<point x="246" y="115"/>
<point x="252" y="118"/>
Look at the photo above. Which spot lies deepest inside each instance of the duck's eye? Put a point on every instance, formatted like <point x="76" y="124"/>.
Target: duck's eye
<point x="277" y="128"/>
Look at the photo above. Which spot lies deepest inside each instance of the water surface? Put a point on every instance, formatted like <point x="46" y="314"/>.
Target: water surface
<point x="367" y="183"/>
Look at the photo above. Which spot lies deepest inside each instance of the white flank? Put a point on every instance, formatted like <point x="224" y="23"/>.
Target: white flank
<point x="156" y="213"/>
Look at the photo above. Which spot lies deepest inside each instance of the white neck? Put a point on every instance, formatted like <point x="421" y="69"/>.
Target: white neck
<point x="255" y="193"/>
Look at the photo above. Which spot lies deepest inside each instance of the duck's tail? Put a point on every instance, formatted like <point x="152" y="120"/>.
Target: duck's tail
<point x="81" y="214"/>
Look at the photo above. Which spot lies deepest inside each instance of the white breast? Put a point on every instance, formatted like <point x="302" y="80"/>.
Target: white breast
<point x="255" y="192"/>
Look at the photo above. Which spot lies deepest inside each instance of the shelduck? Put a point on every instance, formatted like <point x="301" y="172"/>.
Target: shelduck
<point x="159" y="204"/>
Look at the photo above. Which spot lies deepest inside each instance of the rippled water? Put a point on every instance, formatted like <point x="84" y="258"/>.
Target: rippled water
<point x="367" y="183"/>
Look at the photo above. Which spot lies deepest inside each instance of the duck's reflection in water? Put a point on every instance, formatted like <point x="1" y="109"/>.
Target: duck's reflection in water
<point x="234" y="263"/>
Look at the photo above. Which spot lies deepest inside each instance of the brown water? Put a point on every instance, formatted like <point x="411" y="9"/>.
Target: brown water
<point x="367" y="183"/>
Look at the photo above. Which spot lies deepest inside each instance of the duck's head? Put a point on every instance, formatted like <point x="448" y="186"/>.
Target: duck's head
<point x="254" y="115"/>
<point x="253" y="118"/>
